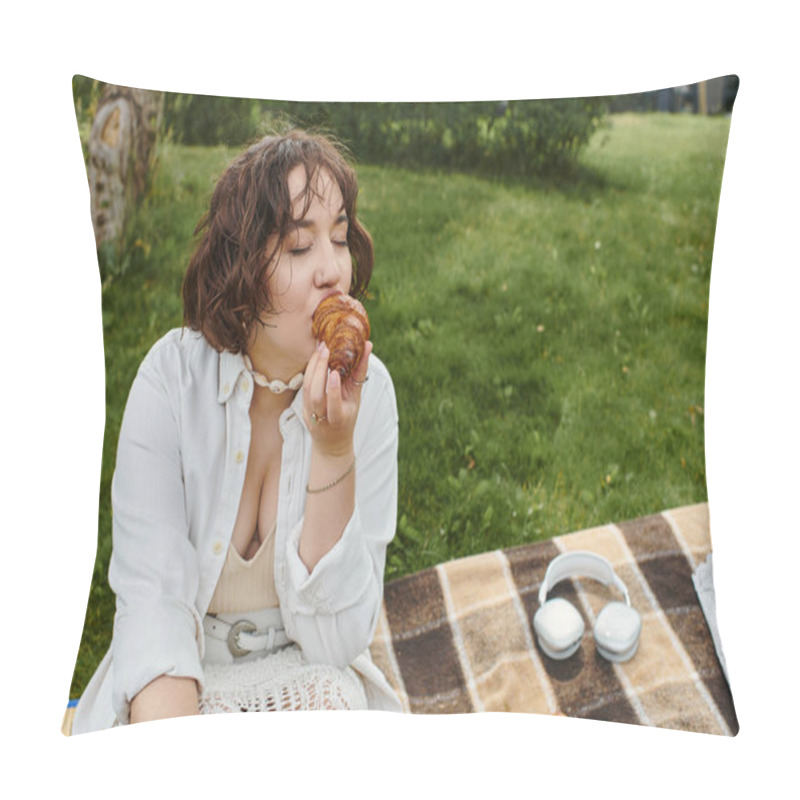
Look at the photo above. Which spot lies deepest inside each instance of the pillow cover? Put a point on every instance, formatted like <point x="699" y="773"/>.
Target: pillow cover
<point x="541" y="298"/>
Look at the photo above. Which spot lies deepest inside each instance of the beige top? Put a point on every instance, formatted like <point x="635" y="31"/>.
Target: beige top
<point x="247" y="584"/>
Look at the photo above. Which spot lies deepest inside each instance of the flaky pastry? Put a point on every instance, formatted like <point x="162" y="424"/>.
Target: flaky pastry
<point x="342" y="323"/>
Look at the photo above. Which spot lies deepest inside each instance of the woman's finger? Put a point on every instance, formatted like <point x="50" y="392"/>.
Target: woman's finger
<point x="314" y="382"/>
<point x="334" y="398"/>
<point x="358" y="377"/>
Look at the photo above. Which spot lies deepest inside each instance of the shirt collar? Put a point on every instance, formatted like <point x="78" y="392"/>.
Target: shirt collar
<point x="231" y="366"/>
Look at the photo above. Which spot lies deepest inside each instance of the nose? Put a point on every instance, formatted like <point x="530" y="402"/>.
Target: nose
<point x="329" y="269"/>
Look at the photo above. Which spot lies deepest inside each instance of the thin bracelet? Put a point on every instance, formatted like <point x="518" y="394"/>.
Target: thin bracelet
<point x="334" y="482"/>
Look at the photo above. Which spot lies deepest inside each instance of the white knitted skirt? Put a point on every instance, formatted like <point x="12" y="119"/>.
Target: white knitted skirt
<point x="281" y="680"/>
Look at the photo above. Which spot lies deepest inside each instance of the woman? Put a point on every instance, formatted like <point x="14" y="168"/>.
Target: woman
<point x="255" y="490"/>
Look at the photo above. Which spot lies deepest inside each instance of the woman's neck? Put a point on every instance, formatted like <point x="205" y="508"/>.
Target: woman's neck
<point x="285" y="379"/>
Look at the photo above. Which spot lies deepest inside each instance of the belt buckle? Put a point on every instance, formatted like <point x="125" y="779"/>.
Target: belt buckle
<point x="242" y="626"/>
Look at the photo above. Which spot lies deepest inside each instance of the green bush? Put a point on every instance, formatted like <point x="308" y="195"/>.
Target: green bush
<point x="522" y="137"/>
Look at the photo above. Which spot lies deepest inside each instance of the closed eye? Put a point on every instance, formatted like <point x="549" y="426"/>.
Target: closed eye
<point x="300" y="251"/>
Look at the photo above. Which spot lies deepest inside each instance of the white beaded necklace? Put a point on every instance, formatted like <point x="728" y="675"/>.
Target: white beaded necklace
<point x="276" y="386"/>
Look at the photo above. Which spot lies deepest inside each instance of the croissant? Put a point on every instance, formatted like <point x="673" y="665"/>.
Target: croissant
<point x="342" y="323"/>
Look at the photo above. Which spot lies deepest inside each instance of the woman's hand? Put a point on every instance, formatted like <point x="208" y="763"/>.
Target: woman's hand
<point x="330" y="409"/>
<point x="330" y="403"/>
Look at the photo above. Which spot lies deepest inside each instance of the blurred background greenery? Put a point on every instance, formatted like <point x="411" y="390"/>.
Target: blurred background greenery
<point x="540" y="297"/>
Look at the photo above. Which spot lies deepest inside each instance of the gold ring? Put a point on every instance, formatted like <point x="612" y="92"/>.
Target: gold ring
<point x="360" y="383"/>
<point x="316" y="418"/>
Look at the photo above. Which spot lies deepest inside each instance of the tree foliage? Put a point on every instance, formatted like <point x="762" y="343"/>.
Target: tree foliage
<point x="197" y="119"/>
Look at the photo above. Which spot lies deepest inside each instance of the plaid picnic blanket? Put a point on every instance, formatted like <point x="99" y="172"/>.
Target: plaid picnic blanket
<point x="458" y="637"/>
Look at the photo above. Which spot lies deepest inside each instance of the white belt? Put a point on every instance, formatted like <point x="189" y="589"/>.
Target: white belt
<point x="243" y="636"/>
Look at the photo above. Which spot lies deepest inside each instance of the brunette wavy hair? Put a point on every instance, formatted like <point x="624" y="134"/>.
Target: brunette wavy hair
<point x="225" y="285"/>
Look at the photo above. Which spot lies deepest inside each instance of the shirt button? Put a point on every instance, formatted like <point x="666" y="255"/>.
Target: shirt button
<point x="245" y="384"/>
<point x="217" y="548"/>
<point x="239" y="456"/>
<point x="226" y="388"/>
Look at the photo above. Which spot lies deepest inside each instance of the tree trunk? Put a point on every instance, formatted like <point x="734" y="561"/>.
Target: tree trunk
<point x="121" y="157"/>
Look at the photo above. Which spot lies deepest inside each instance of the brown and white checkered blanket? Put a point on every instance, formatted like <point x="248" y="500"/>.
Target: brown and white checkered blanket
<point x="458" y="637"/>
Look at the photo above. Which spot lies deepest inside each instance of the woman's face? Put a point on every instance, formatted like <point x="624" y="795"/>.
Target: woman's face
<point x="313" y="261"/>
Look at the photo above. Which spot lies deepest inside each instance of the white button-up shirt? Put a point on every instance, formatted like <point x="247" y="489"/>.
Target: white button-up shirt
<point x="175" y="495"/>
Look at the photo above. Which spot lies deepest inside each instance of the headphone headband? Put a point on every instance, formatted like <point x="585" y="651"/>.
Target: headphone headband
<point x="580" y="563"/>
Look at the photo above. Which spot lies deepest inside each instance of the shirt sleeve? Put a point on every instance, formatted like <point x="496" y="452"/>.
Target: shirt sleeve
<point x="154" y="569"/>
<point x="332" y="612"/>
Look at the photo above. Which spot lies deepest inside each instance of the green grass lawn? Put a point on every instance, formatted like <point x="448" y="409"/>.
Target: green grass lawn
<point x="547" y="342"/>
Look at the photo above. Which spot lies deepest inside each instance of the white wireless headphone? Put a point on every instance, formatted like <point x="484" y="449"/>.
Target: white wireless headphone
<point x="558" y="625"/>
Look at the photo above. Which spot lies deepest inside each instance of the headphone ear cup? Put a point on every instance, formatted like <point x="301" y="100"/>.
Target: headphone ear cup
<point x="616" y="632"/>
<point x="559" y="628"/>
